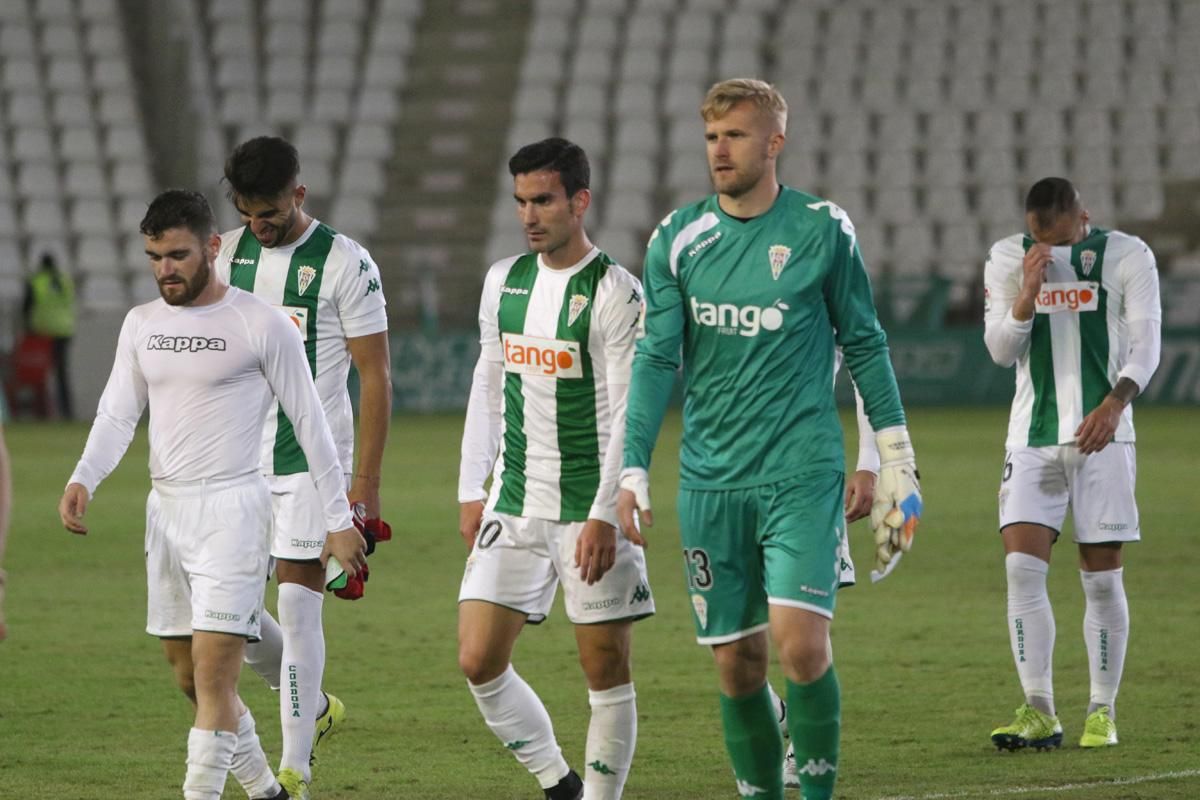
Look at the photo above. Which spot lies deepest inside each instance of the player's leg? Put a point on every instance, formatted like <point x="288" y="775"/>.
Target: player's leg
<point x="225" y="559"/>
<point x="729" y="605"/>
<point x="508" y="580"/>
<point x="216" y="661"/>
<point x="299" y="537"/>
<point x="604" y="613"/>
<point x="1106" y="516"/>
<point x="802" y="527"/>
<point x="1033" y="504"/>
<point x="266" y="655"/>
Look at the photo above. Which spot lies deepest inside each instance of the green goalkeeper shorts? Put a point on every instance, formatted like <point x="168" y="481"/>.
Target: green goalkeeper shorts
<point x="745" y="549"/>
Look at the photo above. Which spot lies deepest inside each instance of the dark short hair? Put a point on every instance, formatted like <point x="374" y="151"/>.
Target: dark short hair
<point x="1049" y="199"/>
<point x="179" y="208"/>
<point x="557" y="155"/>
<point x="261" y="168"/>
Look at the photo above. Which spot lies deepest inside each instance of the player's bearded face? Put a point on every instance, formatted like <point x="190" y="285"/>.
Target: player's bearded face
<point x="179" y="289"/>
<point x="273" y="221"/>
<point x="181" y="266"/>
<point x="547" y="215"/>
<point x="739" y="150"/>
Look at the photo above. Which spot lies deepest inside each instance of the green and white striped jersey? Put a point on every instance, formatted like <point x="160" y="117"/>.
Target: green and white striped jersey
<point x="756" y="307"/>
<point x="1077" y="344"/>
<point x="330" y="288"/>
<point x="565" y="339"/>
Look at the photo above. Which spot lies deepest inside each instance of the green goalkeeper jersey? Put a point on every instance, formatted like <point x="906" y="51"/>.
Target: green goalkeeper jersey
<point x="755" y="308"/>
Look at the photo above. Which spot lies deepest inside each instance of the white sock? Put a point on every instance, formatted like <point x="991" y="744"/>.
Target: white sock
<point x="303" y="667"/>
<point x="1106" y="631"/>
<point x="209" y="755"/>
<point x="516" y="715"/>
<point x="250" y="766"/>
<point x="1031" y="628"/>
<point x="266" y="656"/>
<point x="780" y="709"/>
<point x="612" y="736"/>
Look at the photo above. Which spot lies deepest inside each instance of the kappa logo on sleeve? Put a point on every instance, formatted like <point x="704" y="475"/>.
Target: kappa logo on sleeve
<point x="184" y="344"/>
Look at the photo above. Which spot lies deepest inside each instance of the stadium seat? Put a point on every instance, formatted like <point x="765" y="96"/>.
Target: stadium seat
<point x="1141" y="201"/>
<point x="848" y="169"/>
<point x="32" y="145"/>
<point x="80" y="143"/>
<point x="331" y="105"/>
<point x="593" y="66"/>
<point x="98" y="255"/>
<point x="283" y="72"/>
<point x="392" y="36"/>
<point x="945" y="166"/>
<point x="993" y="129"/>
<point x="286" y="106"/>
<point x="103" y="37"/>
<point x="369" y="141"/>
<point x="538" y="102"/>
<point x="377" y="105"/>
<point x="384" y="70"/>
<point x="43" y="217"/>
<point x="72" y="109"/>
<point x="104" y="293"/>
<point x="131" y="178"/>
<point x="17" y="40"/>
<point x="1043" y="162"/>
<point x="999" y="202"/>
<point x="50" y="10"/>
<point x="111" y="73"/>
<point x="123" y="142"/>
<point x="335" y="72"/>
<point x="994" y="165"/>
<point x="28" y="110"/>
<point x="85" y="181"/>
<point x="340" y="37"/>
<point x="896" y="204"/>
<point x="21" y="74"/>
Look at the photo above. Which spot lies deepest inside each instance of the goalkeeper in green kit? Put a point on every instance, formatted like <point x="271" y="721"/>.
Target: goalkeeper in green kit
<point x="755" y="286"/>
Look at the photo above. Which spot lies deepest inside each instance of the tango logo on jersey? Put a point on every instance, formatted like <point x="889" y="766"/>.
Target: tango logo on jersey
<point x="703" y="244"/>
<point x="183" y="344"/>
<point x="1078" y="296"/>
<point x="299" y="318"/>
<point x="731" y="320"/>
<point x="578" y="304"/>
<point x="1087" y="260"/>
<point x="532" y="355"/>
<point x="778" y="255"/>
<point x="304" y="277"/>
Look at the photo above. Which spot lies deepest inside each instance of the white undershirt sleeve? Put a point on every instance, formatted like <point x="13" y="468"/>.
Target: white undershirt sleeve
<point x="868" y="451"/>
<point x="604" y="507"/>
<point x="1006" y="338"/>
<point x="286" y="369"/>
<point x="481" y="433"/>
<point x="1143" y="315"/>
<point x="121" y="406"/>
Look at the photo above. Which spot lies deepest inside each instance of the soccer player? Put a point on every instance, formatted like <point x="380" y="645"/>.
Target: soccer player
<point x="1076" y="310"/>
<point x="755" y="285"/>
<point x="546" y="410"/>
<point x="330" y="288"/>
<point x="208" y="359"/>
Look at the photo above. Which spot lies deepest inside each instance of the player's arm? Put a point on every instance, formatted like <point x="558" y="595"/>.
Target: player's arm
<point x="372" y="360"/>
<point x="897" y="505"/>
<point x="653" y="376"/>
<point x="1143" y="317"/>
<point x="860" y="487"/>
<point x="481" y="431"/>
<point x="286" y="369"/>
<point x="1012" y="279"/>
<point x="121" y="406"/>
<point x="617" y="316"/>
<point x="362" y="312"/>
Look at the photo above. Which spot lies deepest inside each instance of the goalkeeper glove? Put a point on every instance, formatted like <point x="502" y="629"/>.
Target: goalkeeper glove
<point x="897" y="507"/>
<point x="372" y="530"/>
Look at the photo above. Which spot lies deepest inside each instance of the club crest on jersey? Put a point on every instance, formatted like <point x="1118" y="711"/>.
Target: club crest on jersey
<point x="778" y="255"/>
<point x="1072" y="296"/>
<point x="304" y="277"/>
<point x="1087" y="260"/>
<point x="578" y="304"/>
<point x="549" y="358"/>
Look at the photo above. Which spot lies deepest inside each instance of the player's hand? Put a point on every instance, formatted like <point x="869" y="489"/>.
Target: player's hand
<point x="366" y="491"/>
<point x="1033" y="272"/>
<point x="1098" y="427"/>
<point x="633" y="504"/>
<point x="470" y="517"/>
<point x="897" y="507"/>
<point x="860" y="494"/>
<point x="595" y="550"/>
<point x="72" y="507"/>
<point x="348" y="547"/>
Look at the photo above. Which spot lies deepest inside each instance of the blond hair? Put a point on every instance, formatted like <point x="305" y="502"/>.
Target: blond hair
<point x="723" y="96"/>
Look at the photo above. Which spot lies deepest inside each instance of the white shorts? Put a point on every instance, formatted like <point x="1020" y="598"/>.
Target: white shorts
<point x="518" y="562"/>
<point x="1039" y="482"/>
<point x="297" y="517"/>
<point x="206" y="557"/>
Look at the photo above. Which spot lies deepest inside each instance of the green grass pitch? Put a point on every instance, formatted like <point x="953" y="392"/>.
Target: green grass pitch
<point x="88" y="710"/>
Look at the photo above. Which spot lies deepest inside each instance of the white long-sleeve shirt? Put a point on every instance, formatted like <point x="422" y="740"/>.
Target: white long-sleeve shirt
<point x="1097" y="320"/>
<point x="208" y="374"/>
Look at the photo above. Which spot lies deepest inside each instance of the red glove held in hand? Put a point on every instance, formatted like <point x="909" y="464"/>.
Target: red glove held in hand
<point x="373" y="530"/>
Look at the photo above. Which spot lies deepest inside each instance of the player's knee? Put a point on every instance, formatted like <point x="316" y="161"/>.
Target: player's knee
<point x="804" y="660"/>
<point x="605" y="667"/>
<point x="479" y="666"/>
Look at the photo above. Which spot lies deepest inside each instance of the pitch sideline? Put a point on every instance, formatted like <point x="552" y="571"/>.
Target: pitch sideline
<point x="1159" y="776"/>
